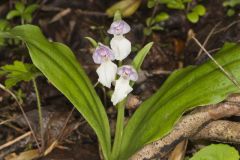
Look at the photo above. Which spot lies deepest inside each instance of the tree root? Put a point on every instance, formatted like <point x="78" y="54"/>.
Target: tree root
<point x="198" y="122"/>
<point x="220" y="131"/>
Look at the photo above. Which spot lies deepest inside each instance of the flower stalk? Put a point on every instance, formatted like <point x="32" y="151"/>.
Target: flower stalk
<point x="119" y="129"/>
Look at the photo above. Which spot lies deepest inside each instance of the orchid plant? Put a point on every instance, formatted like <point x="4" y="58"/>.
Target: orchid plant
<point x="184" y="89"/>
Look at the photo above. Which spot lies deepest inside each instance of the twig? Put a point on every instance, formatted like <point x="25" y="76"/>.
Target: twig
<point x="24" y="114"/>
<point x="15" y="128"/>
<point x="65" y="124"/>
<point x="6" y="121"/>
<point x="15" y="140"/>
<point x="227" y="27"/>
<point x="230" y="77"/>
<point x="60" y="15"/>
<point x="91" y="13"/>
<point x="61" y="133"/>
<point x="207" y="39"/>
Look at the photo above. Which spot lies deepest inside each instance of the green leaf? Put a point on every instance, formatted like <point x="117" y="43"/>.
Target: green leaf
<point x="230" y="12"/>
<point x="183" y="90"/>
<point x="31" y="8"/>
<point x="163" y="16"/>
<point x="27" y="17"/>
<point x="199" y="9"/>
<point x="186" y="1"/>
<point x="19" y="7"/>
<point x="126" y="7"/>
<point x="18" y="72"/>
<point x="138" y="60"/>
<point x="217" y="152"/>
<point x="150" y="21"/>
<point x="157" y="28"/>
<point x="231" y="3"/>
<point x="12" y="14"/>
<point x="4" y="25"/>
<point x="193" y="17"/>
<point x="92" y="41"/>
<point x="176" y="4"/>
<point x="151" y="3"/>
<point x="57" y="62"/>
<point x="147" y="31"/>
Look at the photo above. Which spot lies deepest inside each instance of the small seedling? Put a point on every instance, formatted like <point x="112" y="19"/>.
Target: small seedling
<point x="196" y="12"/>
<point x="154" y="24"/>
<point x="22" y="11"/>
<point x="171" y="4"/>
<point x="17" y="72"/>
<point x="231" y="5"/>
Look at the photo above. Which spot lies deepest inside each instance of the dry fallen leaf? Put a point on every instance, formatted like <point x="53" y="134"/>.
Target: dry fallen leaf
<point x="126" y="7"/>
<point x="26" y="155"/>
<point x="179" y="151"/>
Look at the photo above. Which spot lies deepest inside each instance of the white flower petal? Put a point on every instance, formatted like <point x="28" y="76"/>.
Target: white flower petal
<point x="106" y="73"/>
<point x="119" y="27"/>
<point x="102" y="53"/>
<point x="128" y="72"/>
<point x="122" y="89"/>
<point x="121" y="47"/>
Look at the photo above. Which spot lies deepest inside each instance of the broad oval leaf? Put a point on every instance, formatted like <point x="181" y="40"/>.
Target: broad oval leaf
<point x="193" y="17"/>
<point x="184" y="89"/>
<point x="200" y="10"/>
<point x="217" y="152"/>
<point x="59" y="65"/>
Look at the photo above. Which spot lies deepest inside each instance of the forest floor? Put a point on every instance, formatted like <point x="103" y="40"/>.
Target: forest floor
<point x="69" y="22"/>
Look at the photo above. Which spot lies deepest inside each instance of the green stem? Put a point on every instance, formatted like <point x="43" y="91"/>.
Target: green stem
<point x="119" y="63"/>
<point x="39" y="112"/>
<point x="119" y="130"/>
<point x="22" y="21"/>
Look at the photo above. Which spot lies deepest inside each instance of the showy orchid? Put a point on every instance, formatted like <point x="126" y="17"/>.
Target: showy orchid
<point x="122" y="87"/>
<point x="120" y="45"/>
<point x="120" y="49"/>
<point x="107" y="70"/>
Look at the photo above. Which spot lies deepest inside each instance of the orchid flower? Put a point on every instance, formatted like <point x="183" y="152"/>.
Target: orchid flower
<point x="120" y="45"/>
<point x="107" y="70"/>
<point x="122" y="87"/>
